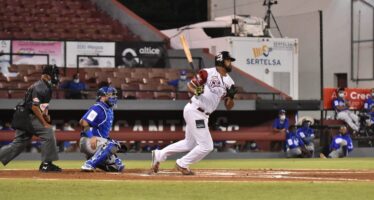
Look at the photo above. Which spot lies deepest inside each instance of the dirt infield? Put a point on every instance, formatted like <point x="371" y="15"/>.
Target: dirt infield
<point x="202" y="175"/>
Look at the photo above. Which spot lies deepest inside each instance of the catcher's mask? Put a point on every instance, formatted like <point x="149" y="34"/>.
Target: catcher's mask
<point x="53" y="72"/>
<point x="110" y="92"/>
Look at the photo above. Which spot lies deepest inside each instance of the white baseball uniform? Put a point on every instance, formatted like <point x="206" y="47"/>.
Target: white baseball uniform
<point x="196" y="114"/>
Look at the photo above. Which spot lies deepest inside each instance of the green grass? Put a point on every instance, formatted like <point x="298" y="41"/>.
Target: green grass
<point x="347" y="163"/>
<point x="127" y="190"/>
<point x="94" y="189"/>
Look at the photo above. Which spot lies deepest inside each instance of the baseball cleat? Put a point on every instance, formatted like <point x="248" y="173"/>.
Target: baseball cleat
<point x="184" y="171"/>
<point x="321" y="155"/>
<point x="49" y="167"/>
<point x="155" y="165"/>
<point x="87" y="167"/>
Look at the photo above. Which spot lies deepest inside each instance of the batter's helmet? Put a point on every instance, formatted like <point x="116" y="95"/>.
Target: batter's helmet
<point x="220" y="57"/>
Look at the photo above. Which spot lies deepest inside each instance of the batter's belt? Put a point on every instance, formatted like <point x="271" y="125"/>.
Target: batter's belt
<point x="200" y="109"/>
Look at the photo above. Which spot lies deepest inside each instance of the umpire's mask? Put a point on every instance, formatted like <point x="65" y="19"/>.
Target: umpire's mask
<point x="53" y="72"/>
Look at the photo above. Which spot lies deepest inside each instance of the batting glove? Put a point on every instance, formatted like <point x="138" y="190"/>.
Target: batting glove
<point x="199" y="90"/>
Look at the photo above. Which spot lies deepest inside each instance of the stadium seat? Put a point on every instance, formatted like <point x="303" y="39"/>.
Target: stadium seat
<point x="23" y="19"/>
<point x="164" y="95"/>
<point x="166" y="88"/>
<point x="15" y="79"/>
<point x="152" y="81"/>
<point x="31" y="79"/>
<point x="156" y="74"/>
<point x="148" y="87"/>
<point x="144" y="95"/>
<point x="4" y="94"/>
<point x="17" y="94"/>
<point x="128" y="95"/>
<point x="116" y="82"/>
<point x="23" y="86"/>
<point x="183" y="95"/>
<point x="138" y="80"/>
<point x="2" y="78"/>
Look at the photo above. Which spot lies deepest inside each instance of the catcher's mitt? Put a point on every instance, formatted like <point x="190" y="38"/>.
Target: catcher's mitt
<point x="230" y="92"/>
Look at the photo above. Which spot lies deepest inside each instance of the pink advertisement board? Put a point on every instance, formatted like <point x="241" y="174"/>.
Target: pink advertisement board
<point x="52" y="48"/>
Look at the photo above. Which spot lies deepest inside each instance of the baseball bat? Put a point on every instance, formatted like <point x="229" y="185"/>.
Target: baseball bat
<point x="187" y="52"/>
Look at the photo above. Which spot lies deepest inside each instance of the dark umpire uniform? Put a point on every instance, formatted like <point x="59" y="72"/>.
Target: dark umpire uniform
<point x="35" y="106"/>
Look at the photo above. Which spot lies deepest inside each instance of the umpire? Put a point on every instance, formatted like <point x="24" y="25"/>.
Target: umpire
<point x="31" y="118"/>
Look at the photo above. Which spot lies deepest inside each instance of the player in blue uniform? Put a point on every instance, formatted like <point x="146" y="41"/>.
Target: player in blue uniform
<point x="307" y="135"/>
<point x="280" y="125"/>
<point x="369" y="102"/>
<point x="341" y="107"/>
<point x="340" y="145"/>
<point x="295" y="147"/>
<point x="95" y="142"/>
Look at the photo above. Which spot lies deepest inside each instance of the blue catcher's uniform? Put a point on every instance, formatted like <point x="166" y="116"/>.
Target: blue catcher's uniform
<point x="100" y="119"/>
<point x="279" y="124"/>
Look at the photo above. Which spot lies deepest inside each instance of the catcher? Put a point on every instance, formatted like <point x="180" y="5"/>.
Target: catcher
<point x="100" y="150"/>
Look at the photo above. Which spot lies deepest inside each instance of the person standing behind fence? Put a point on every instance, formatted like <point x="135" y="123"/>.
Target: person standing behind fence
<point x="280" y="125"/>
<point x="75" y="89"/>
<point x="341" y="107"/>
<point x="181" y="83"/>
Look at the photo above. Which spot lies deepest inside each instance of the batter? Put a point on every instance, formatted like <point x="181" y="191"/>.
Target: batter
<point x="209" y="86"/>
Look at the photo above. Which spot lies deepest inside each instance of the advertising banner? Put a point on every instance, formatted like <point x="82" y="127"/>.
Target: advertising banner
<point x="355" y="96"/>
<point x="53" y="48"/>
<point x="140" y="54"/>
<point x="4" y="48"/>
<point x="93" y="50"/>
<point x="271" y="60"/>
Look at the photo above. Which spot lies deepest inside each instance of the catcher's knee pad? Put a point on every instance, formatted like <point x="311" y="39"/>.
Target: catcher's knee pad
<point x="102" y="154"/>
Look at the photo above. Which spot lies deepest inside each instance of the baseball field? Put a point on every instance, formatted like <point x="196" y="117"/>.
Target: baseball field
<point x="351" y="178"/>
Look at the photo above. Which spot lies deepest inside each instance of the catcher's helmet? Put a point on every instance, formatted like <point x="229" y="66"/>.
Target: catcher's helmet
<point x="53" y="72"/>
<point x="221" y="56"/>
<point x="110" y="92"/>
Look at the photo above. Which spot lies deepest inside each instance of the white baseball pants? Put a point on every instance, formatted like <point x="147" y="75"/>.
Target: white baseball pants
<point x="197" y="141"/>
<point x="350" y="118"/>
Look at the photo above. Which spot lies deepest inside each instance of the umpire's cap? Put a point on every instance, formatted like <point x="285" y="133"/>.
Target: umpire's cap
<point x="282" y="111"/>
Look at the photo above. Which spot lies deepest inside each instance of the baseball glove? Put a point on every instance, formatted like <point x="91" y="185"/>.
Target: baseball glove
<point x="230" y="92"/>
